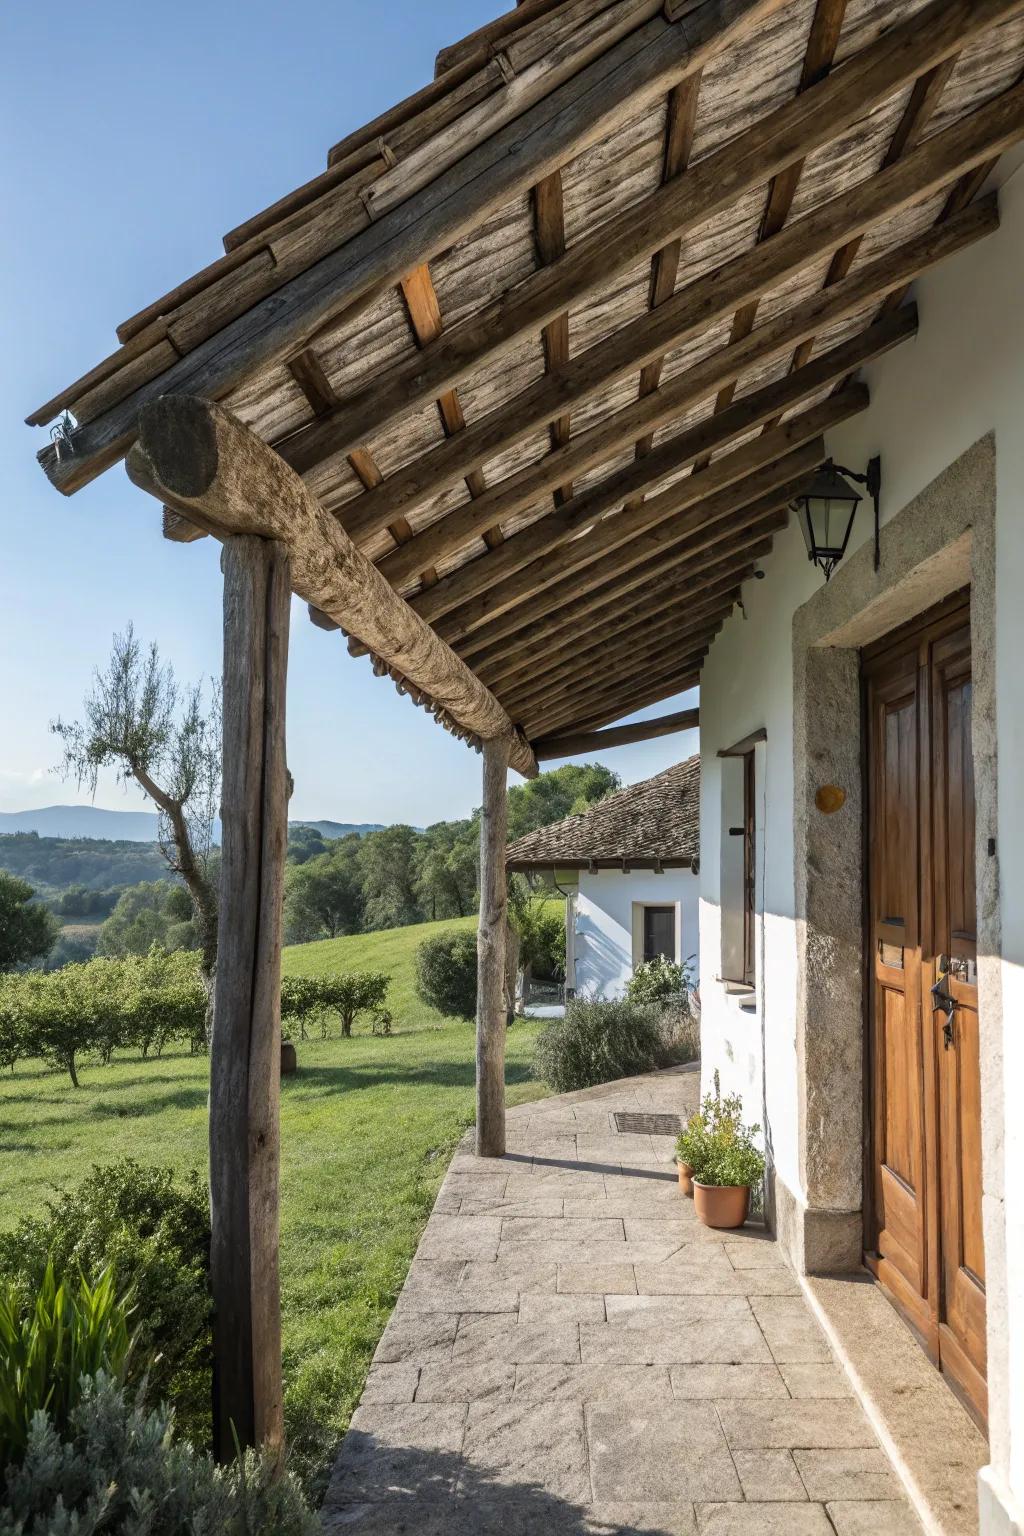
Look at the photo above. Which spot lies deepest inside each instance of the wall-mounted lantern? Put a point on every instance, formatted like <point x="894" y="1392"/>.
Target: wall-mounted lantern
<point x="826" y="511"/>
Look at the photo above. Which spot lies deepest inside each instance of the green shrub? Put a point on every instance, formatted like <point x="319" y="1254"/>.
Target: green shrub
<point x="302" y="1005"/>
<point x="718" y="1146"/>
<point x="51" y="1341"/>
<point x="596" y="1043"/>
<point x="349" y="993"/>
<point x="446" y="973"/>
<point x="118" y="1469"/>
<point x="155" y="1233"/>
<point x="657" y="981"/>
<point x="540" y="924"/>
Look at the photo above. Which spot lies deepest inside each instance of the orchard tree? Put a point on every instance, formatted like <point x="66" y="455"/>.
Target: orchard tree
<point x="138" y="721"/>
<point x="28" y="931"/>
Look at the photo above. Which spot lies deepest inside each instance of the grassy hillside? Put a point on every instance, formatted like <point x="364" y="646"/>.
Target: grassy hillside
<point x="367" y="1128"/>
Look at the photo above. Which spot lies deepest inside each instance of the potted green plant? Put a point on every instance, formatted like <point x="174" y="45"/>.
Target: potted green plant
<point x="723" y="1159"/>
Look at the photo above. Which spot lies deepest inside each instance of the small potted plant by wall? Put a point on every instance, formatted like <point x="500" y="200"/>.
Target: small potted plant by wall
<point x="723" y="1159"/>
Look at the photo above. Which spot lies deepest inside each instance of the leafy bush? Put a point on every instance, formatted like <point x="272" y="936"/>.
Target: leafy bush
<point x="353" y="992"/>
<point x="156" y="1236"/>
<point x="596" y="1043"/>
<point x="446" y="973"/>
<point x="117" y="1468"/>
<point x="657" y="981"/>
<point x="302" y="1004"/>
<point x="718" y="1146"/>
<point x="52" y="1341"/>
<point x="540" y="925"/>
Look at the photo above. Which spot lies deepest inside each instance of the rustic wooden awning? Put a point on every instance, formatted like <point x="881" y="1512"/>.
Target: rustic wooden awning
<point x="553" y="342"/>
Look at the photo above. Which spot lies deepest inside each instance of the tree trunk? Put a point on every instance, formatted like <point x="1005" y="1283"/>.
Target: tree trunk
<point x="490" y="948"/>
<point x="245" y="1052"/>
<point x="71" y="1069"/>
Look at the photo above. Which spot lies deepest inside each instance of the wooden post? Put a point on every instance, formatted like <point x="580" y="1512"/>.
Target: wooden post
<point x="245" y="1055"/>
<point x="490" y="949"/>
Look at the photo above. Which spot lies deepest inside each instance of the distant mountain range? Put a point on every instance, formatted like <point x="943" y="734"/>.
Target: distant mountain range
<point x="131" y="826"/>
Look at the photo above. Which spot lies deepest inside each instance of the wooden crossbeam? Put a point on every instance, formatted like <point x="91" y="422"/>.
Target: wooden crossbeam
<point x="583" y="108"/>
<point x="795" y="129"/>
<point x="585" y="700"/>
<point x="773" y="340"/>
<point x="613" y="662"/>
<point x="635" y="535"/>
<point x="656" y="602"/>
<point x="629" y="706"/>
<point x="521" y="553"/>
<point x="613" y="578"/>
<point x="582" y="743"/>
<point x="693" y="308"/>
<point x="924" y="98"/>
<point x="199" y="458"/>
<point x="549" y="235"/>
<point x="534" y="670"/>
<point x="673" y="678"/>
<point x="826" y="25"/>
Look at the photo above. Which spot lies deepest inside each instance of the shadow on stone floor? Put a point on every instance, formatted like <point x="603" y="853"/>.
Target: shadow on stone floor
<point x="434" y="1490"/>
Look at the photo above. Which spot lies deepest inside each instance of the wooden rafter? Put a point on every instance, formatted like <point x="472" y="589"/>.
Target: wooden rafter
<point x="525" y="549"/>
<point x="818" y="115"/>
<point x="580" y="743"/>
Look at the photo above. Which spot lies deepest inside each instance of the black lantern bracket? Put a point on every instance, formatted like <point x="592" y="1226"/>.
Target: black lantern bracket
<point x="871" y="480"/>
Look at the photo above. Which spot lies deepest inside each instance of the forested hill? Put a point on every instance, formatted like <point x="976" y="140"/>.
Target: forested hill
<point x="51" y="864"/>
<point x="93" y="821"/>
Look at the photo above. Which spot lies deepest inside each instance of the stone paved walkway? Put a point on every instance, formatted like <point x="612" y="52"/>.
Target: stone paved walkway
<point x="573" y="1353"/>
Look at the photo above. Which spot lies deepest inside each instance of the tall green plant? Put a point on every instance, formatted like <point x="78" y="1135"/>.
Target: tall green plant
<point x="68" y="1330"/>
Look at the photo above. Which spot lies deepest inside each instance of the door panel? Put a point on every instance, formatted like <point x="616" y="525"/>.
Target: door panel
<point x="924" y="1229"/>
<point x="898" y="1077"/>
<point x="957" y="1054"/>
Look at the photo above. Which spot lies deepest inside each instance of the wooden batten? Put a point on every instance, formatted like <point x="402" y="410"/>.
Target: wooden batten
<point x="203" y="461"/>
<point x="680" y="206"/>
<point x="575" y="114"/>
<point x="582" y="743"/>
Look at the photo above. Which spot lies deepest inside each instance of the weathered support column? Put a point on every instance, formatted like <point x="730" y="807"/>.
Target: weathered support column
<point x="245" y="1055"/>
<point x="490" y="949"/>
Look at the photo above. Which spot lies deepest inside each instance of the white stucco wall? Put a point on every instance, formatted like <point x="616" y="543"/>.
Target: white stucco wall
<point x="604" y="923"/>
<point x="931" y="400"/>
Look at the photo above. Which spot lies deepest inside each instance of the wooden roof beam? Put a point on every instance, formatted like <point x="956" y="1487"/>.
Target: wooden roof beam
<point x="635" y="535"/>
<point x="685" y="315"/>
<point x="581" y="743"/>
<point x="523" y="551"/>
<point x="793" y="130"/>
<point x="676" y="675"/>
<point x="624" y="706"/>
<point x="529" y="670"/>
<point x="199" y="458"/>
<point x="563" y="121"/>
<point x="614" y="661"/>
<point x="611" y="580"/>
<point x="601" y="696"/>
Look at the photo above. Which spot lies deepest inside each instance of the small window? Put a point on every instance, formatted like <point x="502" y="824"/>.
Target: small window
<point x="659" y="933"/>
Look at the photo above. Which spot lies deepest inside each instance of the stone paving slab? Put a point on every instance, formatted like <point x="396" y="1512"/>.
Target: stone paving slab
<point x="573" y="1354"/>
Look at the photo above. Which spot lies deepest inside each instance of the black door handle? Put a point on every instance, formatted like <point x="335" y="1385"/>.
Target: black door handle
<point x="942" y="1000"/>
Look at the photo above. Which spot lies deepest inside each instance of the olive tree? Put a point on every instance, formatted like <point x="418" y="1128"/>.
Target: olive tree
<point x="137" y="720"/>
<point x="28" y="931"/>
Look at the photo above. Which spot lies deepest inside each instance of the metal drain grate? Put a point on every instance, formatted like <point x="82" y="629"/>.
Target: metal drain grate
<point x="647" y="1125"/>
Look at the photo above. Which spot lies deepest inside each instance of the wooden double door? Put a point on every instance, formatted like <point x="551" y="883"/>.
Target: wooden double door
<point x="923" y="1235"/>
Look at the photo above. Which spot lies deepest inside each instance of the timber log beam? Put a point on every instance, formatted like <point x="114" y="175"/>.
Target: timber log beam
<point x="201" y="460"/>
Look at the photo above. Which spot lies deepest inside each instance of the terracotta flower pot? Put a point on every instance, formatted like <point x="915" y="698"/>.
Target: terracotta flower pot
<point x="685" y="1178"/>
<point x="289" y="1061"/>
<point x="721" y="1205"/>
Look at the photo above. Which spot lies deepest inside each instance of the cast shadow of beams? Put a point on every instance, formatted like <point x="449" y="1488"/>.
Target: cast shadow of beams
<point x="381" y="1489"/>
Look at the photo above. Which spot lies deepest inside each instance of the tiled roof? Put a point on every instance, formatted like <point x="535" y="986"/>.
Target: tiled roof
<point x="654" y="822"/>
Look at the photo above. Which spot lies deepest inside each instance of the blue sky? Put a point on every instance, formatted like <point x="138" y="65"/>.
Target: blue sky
<point x="133" y="136"/>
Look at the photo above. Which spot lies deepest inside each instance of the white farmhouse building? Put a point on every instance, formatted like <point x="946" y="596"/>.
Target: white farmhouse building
<point x="862" y="889"/>
<point x="627" y="866"/>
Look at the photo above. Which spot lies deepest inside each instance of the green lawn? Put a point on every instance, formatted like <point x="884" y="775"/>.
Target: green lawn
<point x="367" y="1128"/>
